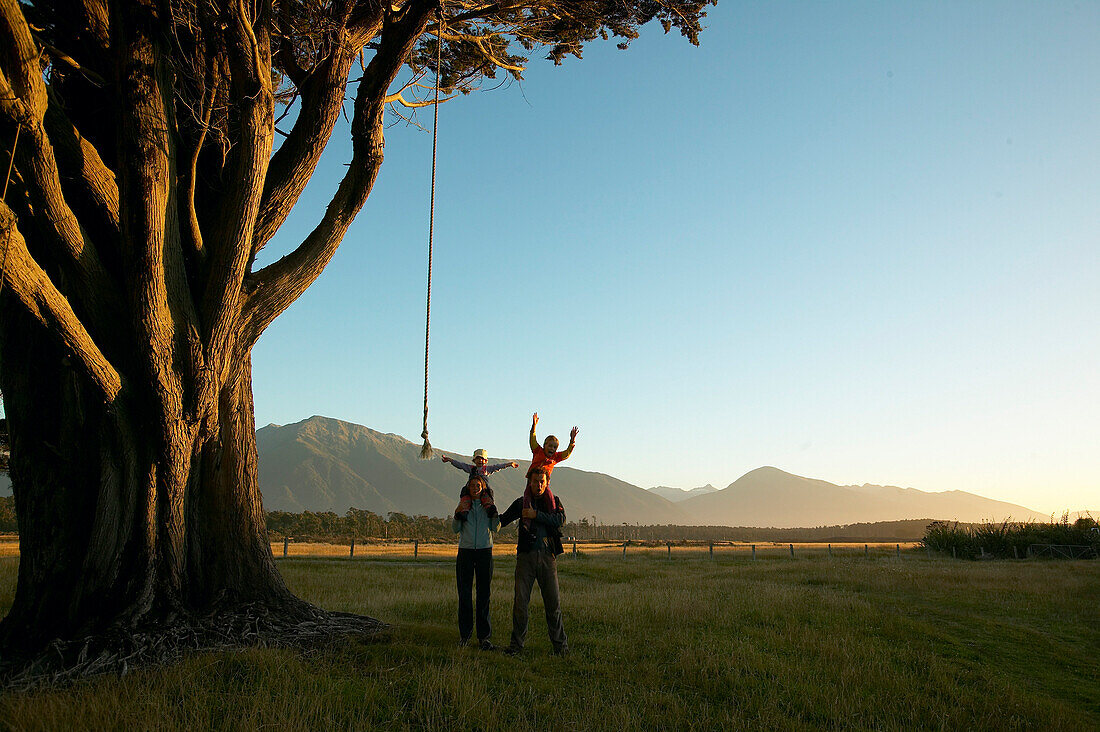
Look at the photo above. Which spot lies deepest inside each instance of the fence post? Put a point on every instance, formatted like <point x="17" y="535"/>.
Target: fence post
<point x="899" y="550"/>
<point x="830" y="548"/>
<point x="669" y="543"/>
<point x="792" y="550"/>
<point x="286" y="542"/>
<point x="1015" y="552"/>
<point x="982" y="550"/>
<point x="866" y="551"/>
<point x="351" y="552"/>
<point x="574" y="547"/>
<point x="754" y="552"/>
<point x="712" y="550"/>
<point x="952" y="552"/>
<point x="624" y="550"/>
<point x="416" y="547"/>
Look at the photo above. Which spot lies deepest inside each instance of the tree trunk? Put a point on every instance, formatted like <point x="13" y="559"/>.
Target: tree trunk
<point x="103" y="553"/>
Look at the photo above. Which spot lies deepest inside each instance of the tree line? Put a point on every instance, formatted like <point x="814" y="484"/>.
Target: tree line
<point x="362" y="524"/>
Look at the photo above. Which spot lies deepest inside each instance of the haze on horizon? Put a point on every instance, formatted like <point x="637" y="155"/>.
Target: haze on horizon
<point x="856" y="241"/>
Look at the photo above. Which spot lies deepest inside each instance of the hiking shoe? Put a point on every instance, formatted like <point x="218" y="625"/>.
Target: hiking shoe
<point x="512" y="651"/>
<point x="486" y="645"/>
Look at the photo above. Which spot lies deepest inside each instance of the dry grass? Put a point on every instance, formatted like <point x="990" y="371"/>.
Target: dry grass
<point x="9" y="545"/>
<point x="686" y="644"/>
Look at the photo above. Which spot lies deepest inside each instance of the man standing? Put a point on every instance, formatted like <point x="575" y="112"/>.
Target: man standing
<point x="541" y="517"/>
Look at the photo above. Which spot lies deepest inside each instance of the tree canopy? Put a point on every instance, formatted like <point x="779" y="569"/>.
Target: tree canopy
<point x="146" y="178"/>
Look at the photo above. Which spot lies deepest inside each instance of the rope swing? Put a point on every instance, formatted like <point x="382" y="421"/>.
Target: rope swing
<point x="426" y="450"/>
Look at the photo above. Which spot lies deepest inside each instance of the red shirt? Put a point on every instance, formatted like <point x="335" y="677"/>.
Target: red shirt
<point x="539" y="459"/>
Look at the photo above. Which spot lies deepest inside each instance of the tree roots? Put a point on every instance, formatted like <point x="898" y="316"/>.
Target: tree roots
<point x="120" y="650"/>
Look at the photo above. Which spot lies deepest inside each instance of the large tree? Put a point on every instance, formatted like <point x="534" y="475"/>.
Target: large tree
<point x="146" y="179"/>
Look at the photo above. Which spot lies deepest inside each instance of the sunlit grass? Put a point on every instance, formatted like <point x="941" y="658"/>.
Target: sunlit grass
<point x="808" y="643"/>
<point x="9" y="545"/>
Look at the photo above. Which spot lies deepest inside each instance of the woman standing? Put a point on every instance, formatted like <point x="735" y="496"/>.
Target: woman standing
<point x="475" y="521"/>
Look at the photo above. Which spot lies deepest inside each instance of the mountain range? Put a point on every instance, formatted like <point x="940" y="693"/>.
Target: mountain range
<point x="771" y="497"/>
<point x="681" y="494"/>
<point x="324" y="464"/>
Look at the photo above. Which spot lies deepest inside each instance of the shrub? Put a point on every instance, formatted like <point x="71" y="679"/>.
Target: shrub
<point x="1008" y="539"/>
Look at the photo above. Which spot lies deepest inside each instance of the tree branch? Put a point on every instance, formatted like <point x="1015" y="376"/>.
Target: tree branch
<point x="30" y="285"/>
<point x="231" y="241"/>
<point x="292" y="165"/>
<point x="161" y="299"/>
<point x="322" y="97"/>
<point x="38" y="168"/>
<point x="19" y="59"/>
<point x="275" y="287"/>
<point x="81" y="162"/>
<point x="399" y="99"/>
<point x="191" y="172"/>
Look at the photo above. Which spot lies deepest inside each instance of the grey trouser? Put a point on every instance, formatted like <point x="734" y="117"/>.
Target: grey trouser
<point x="541" y="566"/>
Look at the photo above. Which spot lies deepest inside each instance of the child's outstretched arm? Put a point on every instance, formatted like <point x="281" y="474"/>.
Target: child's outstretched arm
<point x="534" y="440"/>
<point x="564" y="454"/>
<point x="458" y="464"/>
<point x="490" y="469"/>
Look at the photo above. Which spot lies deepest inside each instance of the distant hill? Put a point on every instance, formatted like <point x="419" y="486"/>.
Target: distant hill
<point x="681" y="494"/>
<point x="771" y="497"/>
<point x="323" y="464"/>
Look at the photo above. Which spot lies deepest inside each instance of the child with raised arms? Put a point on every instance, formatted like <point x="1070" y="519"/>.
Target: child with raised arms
<point x="546" y="456"/>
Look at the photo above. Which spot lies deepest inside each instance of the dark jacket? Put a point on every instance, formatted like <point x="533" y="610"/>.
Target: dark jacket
<point x="551" y="521"/>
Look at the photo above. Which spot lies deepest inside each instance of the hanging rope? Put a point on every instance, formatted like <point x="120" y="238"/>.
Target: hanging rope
<point x="426" y="450"/>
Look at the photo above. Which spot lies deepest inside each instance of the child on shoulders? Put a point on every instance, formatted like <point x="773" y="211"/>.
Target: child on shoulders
<point x="481" y="469"/>
<point x="545" y="456"/>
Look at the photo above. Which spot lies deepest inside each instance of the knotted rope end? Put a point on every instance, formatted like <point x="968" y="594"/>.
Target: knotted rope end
<point x="426" y="452"/>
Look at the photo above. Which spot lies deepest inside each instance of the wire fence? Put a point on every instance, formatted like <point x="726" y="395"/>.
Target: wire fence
<point x="578" y="549"/>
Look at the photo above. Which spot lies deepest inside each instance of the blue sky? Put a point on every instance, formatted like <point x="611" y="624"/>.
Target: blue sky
<point x="857" y="241"/>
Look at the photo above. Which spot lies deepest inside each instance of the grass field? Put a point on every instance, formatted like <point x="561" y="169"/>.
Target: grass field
<point x="9" y="547"/>
<point x="808" y="643"/>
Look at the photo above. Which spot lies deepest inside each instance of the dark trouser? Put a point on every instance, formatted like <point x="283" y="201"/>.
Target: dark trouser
<point x="541" y="566"/>
<point x="472" y="562"/>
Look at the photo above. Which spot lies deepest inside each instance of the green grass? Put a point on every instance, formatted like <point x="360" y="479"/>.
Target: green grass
<point x="687" y="643"/>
